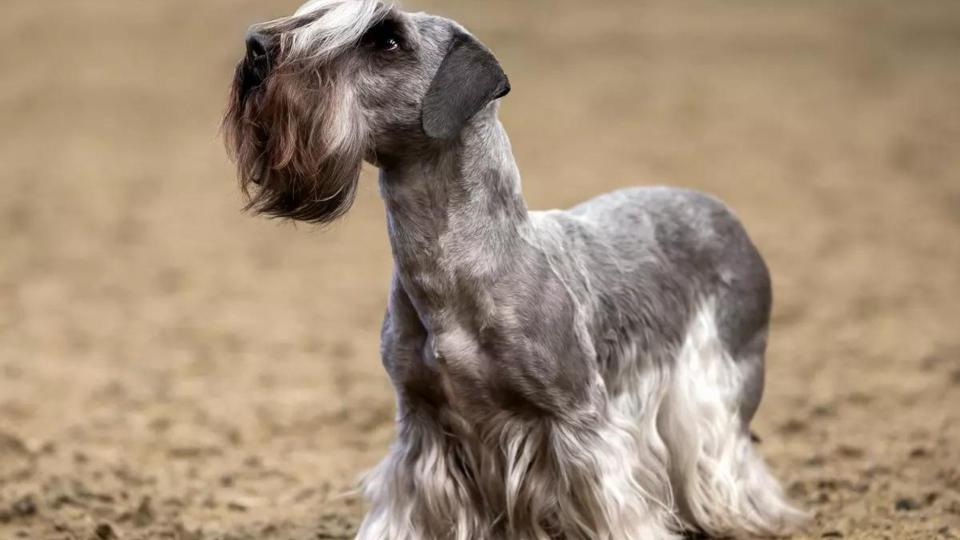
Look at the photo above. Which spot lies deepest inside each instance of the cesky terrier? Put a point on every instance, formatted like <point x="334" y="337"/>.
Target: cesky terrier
<point x="581" y="374"/>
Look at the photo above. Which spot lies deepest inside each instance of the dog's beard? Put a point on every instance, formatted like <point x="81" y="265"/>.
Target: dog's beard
<point x="298" y="144"/>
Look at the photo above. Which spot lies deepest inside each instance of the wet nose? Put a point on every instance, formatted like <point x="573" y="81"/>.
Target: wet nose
<point x="258" y="44"/>
<point x="257" y="62"/>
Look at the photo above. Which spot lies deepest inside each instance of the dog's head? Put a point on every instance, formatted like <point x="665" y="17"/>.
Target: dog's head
<point x="341" y="81"/>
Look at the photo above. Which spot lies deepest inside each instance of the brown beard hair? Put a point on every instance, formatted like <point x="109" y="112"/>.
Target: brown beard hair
<point x="286" y="164"/>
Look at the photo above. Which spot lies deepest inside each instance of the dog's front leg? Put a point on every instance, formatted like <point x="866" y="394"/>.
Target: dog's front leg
<point x="421" y="489"/>
<point x="533" y="444"/>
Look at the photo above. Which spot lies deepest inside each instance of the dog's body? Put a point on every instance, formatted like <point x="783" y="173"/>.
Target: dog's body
<point x="540" y="356"/>
<point x="584" y="374"/>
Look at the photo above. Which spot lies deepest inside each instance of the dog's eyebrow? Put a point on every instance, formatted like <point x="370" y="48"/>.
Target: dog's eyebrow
<point x="391" y="20"/>
<point x="336" y="24"/>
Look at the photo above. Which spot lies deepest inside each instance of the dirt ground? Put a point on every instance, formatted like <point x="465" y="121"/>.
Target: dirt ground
<point x="171" y="368"/>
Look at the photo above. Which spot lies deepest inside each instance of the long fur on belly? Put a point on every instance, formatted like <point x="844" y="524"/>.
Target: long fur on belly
<point x="668" y="455"/>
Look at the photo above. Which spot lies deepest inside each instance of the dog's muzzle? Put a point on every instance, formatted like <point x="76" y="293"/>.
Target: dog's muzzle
<point x="256" y="64"/>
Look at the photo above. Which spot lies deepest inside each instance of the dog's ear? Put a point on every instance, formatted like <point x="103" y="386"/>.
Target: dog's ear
<point x="468" y="79"/>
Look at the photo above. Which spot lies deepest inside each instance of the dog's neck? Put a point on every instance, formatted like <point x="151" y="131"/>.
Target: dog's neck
<point x="457" y="216"/>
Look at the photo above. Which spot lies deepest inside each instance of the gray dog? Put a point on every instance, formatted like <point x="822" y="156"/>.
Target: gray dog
<point x="582" y="374"/>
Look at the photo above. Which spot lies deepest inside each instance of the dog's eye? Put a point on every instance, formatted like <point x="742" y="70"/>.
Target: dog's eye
<point x="389" y="44"/>
<point x="383" y="37"/>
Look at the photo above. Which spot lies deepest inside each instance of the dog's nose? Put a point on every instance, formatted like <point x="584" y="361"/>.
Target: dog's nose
<point x="258" y="44"/>
<point x="257" y="62"/>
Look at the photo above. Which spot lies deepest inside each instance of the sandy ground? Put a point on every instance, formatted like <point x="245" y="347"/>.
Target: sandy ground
<point x="172" y="368"/>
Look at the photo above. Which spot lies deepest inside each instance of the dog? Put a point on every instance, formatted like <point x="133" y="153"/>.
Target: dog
<point x="586" y="374"/>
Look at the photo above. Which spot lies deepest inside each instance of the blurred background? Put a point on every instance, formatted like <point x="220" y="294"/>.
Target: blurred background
<point x="173" y="368"/>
